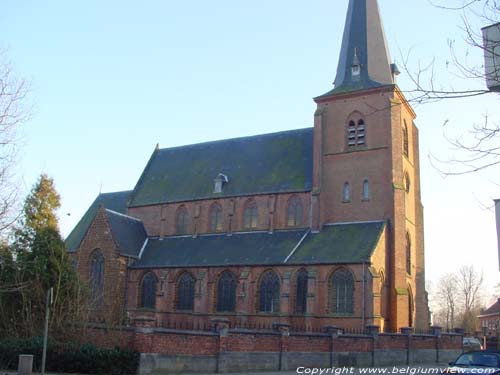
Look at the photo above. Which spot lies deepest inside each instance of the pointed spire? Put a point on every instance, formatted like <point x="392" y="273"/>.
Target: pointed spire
<point x="364" y="58"/>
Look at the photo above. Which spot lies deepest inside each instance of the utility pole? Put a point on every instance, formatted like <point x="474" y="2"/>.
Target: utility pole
<point x="46" y="329"/>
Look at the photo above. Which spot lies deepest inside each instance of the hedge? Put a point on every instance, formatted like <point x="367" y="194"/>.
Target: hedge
<point x="70" y="358"/>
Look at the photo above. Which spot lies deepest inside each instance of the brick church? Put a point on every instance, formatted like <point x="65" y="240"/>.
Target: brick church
<point x="311" y="227"/>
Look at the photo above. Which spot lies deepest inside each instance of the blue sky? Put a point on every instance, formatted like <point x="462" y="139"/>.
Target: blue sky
<point x="112" y="78"/>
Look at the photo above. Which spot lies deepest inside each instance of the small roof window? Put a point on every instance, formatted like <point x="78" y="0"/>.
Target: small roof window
<point x="219" y="182"/>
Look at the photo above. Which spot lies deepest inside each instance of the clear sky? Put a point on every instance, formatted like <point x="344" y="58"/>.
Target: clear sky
<point x="113" y="78"/>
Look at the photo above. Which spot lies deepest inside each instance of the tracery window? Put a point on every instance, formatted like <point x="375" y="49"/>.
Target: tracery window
<point x="185" y="292"/>
<point x="226" y="292"/>
<point x="97" y="277"/>
<point x="148" y="291"/>
<point x="182" y="220"/>
<point x="301" y="292"/>
<point x="250" y="215"/>
<point x="342" y="292"/>
<point x="294" y="212"/>
<point x="216" y="218"/>
<point x="269" y="293"/>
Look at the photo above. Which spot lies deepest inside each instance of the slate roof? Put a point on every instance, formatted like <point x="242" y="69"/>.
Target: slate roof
<point x="335" y="244"/>
<point x="128" y="232"/>
<point x="116" y="201"/>
<point x="270" y="163"/>
<point x="364" y="38"/>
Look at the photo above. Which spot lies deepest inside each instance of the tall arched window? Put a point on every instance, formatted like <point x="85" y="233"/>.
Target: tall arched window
<point x="269" y="293"/>
<point x="346" y="192"/>
<point x="148" y="291"/>
<point x="407" y="182"/>
<point x="366" y="190"/>
<point x="342" y="296"/>
<point x="301" y="292"/>
<point x="250" y="215"/>
<point x="226" y="292"/>
<point x="411" y="307"/>
<point x="182" y="221"/>
<point x="185" y="292"/>
<point x="405" y="140"/>
<point x="97" y="277"/>
<point x="356" y="133"/>
<point x="408" y="253"/>
<point x="216" y="218"/>
<point x="294" y="212"/>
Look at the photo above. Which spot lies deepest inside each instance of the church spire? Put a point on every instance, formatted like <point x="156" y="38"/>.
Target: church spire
<point x="364" y="60"/>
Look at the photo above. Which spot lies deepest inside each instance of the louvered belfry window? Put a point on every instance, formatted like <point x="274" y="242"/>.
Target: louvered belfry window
<point x="301" y="296"/>
<point x="226" y="292"/>
<point x="148" y="291"/>
<point x="185" y="292"/>
<point x="356" y="133"/>
<point x="269" y="293"/>
<point x="342" y="301"/>
<point x="97" y="278"/>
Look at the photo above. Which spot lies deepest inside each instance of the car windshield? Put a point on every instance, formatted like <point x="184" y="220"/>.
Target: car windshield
<point x="478" y="359"/>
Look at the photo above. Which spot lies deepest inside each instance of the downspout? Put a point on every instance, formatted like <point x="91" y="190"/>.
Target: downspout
<point x="363" y="317"/>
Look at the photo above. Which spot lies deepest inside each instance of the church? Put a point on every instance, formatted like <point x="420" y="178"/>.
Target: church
<point x="315" y="227"/>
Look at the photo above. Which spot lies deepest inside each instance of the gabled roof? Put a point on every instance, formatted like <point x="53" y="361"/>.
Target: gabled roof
<point x="335" y="244"/>
<point x="128" y="232"/>
<point x="493" y="309"/>
<point x="269" y="163"/>
<point x="363" y="44"/>
<point x="116" y="201"/>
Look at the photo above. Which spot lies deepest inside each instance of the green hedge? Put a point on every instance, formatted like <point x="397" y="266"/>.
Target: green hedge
<point x="70" y="358"/>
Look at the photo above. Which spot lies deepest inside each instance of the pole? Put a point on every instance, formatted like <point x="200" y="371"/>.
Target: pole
<point x="46" y="329"/>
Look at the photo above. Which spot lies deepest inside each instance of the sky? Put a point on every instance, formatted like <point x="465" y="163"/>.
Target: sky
<point x="111" y="79"/>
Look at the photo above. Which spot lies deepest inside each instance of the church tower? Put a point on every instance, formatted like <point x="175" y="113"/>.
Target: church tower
<point x="366" y="161"/>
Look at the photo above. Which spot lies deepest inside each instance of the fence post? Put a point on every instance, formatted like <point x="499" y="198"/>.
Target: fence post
<point x="373" y="330"/>
<point x="25" y="365"/>
<point x="221" y="327"/>
<point x="436" y="331"/>
<point x="408" y="332"/>
<point x="334" y="332"/>
<point x="284" y="330"/>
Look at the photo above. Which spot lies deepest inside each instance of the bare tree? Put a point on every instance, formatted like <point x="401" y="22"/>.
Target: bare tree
<point x="479" y="148"/>
<point x="15" y="110"/>
<point x="447" y="295"/>
<point x="470" y="282"/>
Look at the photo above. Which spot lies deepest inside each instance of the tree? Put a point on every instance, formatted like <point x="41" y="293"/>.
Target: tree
<point x="469" y="284"/>
<point x="448" y="297"/>
<point x="480" y="147"/>
<point x="15" y="110"/>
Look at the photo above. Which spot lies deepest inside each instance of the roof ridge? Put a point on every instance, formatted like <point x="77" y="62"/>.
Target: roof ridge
<point x="122" y="215"/>
<point x="354" y="222"/>
<point x="234" y="139"/>
<point x="115" y="192"/>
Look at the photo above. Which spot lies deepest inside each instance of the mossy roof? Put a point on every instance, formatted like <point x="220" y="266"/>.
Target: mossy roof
<point x="128" y="232"/>
<point x="269" y="163"/>
<point x="116" y="201"/>
<point x="335" y="244"/>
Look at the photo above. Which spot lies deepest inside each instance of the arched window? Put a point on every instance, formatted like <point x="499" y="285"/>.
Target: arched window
<point x="407" y="182"/>
<point x="250" y="215"/>
<point x="182" y="220"/>
<point x="346" y="192"/>
<point x="294" y="212"/>
<point x="356" y="132"/>
<point x="148" y="291"/>
<point x="408" y="254"/>
<point x="342" y="296"/>
<point x="185" y="292"/>
<point x="269" y="292"/>
<point x="366" y="190"/>
<point x="226" y="292"/>
<point x="216" y="218"/>
<point x="411" y="307"/>
<point x="301" y="293"/>
<point x="97" y="277"/>
<point x="405" y="140"/>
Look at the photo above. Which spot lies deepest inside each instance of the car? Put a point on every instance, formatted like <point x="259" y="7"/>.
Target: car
<point x="471" y="343"/>
<point x="475" y="362"/>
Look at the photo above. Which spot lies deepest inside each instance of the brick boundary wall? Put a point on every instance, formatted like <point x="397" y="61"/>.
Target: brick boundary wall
<point x="242" y="350"/>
